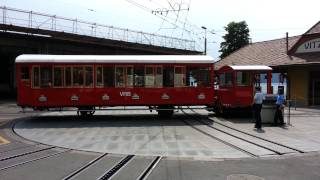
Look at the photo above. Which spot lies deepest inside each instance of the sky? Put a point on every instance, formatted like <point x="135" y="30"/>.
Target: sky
<point x="266" y="20"/>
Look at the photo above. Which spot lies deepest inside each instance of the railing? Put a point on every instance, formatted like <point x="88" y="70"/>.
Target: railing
<point x="30" y="19"/>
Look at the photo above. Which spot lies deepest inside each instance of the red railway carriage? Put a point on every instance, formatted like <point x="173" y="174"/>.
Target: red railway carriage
<point x="236" y="86"/>
<point x="86" y="82"/>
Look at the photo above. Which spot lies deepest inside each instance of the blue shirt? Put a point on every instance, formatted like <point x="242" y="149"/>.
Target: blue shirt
<point x="280" y="100"/>
<point x="258" y="98"/>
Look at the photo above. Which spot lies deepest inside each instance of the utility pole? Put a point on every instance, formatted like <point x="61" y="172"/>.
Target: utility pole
<point x="205" y="39"/>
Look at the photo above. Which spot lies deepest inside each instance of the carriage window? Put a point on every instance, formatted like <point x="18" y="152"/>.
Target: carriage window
<point x="139" y="76"/>
<point x="108" y="76"/>
<point x="99" y="76"/>
<point x="168" y="76"/>
<point x="25" y="72"/>
<point x="88" y="76"/>
<point x="45" y="77"/>
<point x="57" y="76"/>
<point x="243" y="78"/>
<point x="120" y="76"/>
<point x="68" y="76"/>
<point x="78" y="79"/>
<point x="198" y="77"/>
<point x="149" y="77"/>
<point x="159" y="79"/>
<point x="228" y="79"/>
<point x="129" y="76"/>
<point x="35" y="76"/>
<point x="222" y="79"/>
<point x="179" y="76"/>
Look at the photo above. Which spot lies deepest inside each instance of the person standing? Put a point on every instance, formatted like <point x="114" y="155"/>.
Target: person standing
<point x="257" y="106"/>
<point x="280" y="106"/>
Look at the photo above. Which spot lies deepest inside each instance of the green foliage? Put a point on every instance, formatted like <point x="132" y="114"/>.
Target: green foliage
<point x="236" y="37"/>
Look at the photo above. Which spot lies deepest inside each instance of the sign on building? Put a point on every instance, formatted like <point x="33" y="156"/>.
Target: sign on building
<point x="309" y="46"/>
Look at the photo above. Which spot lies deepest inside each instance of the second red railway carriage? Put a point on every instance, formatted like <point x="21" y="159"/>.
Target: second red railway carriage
<point x="236" y="86"/>
<point x="86" y="81"/>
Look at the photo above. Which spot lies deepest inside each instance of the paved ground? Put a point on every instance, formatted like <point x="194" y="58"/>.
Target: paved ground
<point x="142" y="133"/>
<point x="186" y="147"/>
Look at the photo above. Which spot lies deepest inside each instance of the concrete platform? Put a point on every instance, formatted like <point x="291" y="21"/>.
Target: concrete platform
<point x="143" y="133"/>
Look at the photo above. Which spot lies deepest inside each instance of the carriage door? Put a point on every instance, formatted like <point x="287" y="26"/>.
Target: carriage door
<point x="124" y="80"/>
<point x="24" y="83"/>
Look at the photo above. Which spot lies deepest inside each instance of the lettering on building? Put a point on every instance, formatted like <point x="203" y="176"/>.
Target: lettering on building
<point x="309" y="46"/>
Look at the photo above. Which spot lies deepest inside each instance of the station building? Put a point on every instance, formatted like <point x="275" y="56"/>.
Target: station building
<point x="296" y="58"/>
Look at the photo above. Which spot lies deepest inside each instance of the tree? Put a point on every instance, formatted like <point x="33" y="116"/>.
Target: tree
<point x="236" y="37"/>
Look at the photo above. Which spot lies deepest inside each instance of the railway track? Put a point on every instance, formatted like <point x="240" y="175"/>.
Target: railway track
<point x="116" y="169"/>
<point x="31" y="160"/>
<point x="32" y="153"/>
<point x="238" y="135"/>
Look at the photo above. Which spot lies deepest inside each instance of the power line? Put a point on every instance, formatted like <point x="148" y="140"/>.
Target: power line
<point x="150" y="11"/>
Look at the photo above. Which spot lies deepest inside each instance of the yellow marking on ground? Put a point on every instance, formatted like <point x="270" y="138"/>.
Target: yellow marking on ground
<point x="3" y="141"/>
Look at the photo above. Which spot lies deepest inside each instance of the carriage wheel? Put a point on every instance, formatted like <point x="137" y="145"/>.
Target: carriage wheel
<point x="219" y="110"/>
<point x="165" y="111"/>
<point x="86" y="111"/>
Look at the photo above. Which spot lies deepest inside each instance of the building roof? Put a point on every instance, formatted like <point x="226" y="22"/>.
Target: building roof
<point x="270" y="53"/>
<point x="314" y="29"/>
<point x="190" y="59"/>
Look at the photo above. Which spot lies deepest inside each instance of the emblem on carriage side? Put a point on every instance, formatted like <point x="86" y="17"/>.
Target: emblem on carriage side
<point x="201" y="96"/>
<point x="42" y="98"/>
<point x="165" y="96"/>
<point x="75" y="98"/>
<point x="135" y="96"/>
<point x="105" y="97"/>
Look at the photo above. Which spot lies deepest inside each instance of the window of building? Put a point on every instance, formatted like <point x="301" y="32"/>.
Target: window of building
<point x="58" y="76"/>
<point x="179" y="76"/>
<point x="25" y="73"/>
<point x="99" y="76"/>
<point x="108" y="76"/>
<point x="88" y="76"/>
<point x="45" y="77"/>
<point x="138" y="76"/>
<point x="243" y="78"/>
<point x="120" y="76"/>
<point x="36" y="76"/>
<point x="68" y="77"/>
<point x="77" y="76"/>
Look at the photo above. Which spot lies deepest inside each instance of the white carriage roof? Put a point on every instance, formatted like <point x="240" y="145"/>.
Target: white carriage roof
<point x="252" y="68"/>
<point x="114" y="59"/>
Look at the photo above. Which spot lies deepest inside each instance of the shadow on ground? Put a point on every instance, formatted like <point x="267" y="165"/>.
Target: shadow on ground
<point x="68" y="121"/>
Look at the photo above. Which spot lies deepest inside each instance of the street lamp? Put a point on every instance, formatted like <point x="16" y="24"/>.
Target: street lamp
<point x="205" y="39"/>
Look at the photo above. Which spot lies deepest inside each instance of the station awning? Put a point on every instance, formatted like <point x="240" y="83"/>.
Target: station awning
<point x="252" y="68"/>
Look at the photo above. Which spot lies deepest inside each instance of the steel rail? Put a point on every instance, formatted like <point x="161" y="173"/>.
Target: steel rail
<point x="149" y="168"/>
<point x="257" y="137"/>
<point x="26" y="153"/>
<point x="19" y="147"/>
<point x="116" y="168"/>
<point x="78" y="171"/>
<point x="33" y="160"/>
<point x="218" y="139"/>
